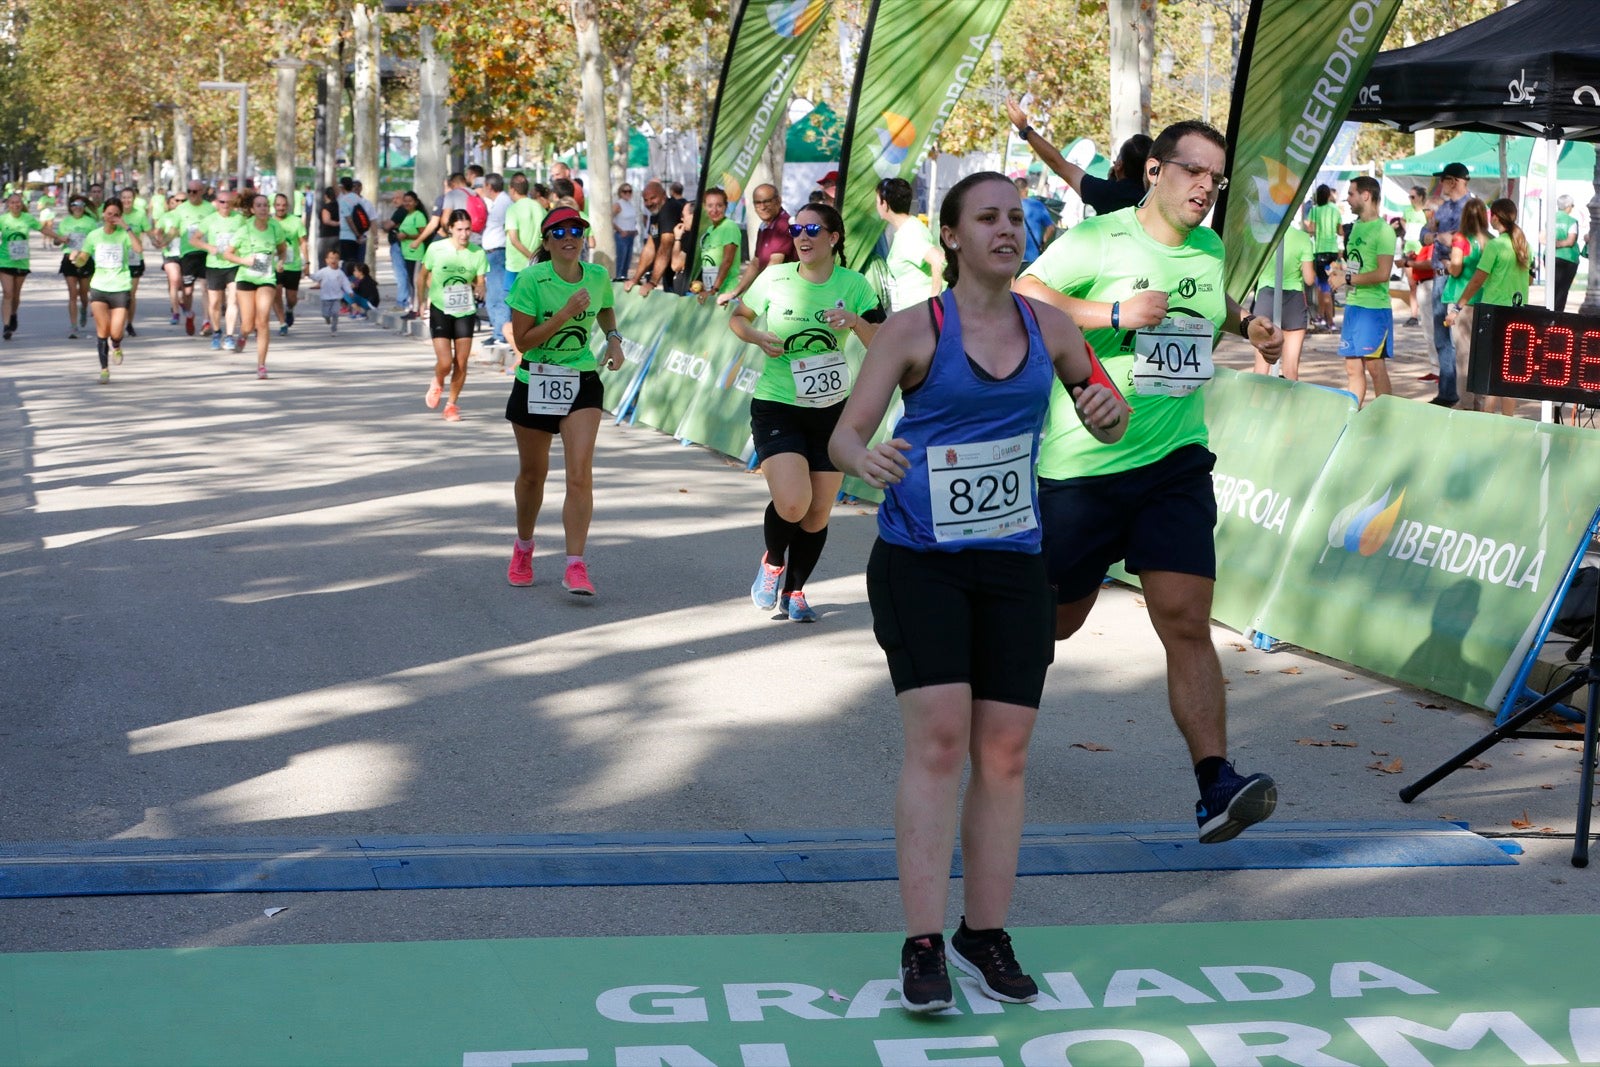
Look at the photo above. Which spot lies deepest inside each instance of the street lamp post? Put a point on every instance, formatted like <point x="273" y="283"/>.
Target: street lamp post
<point x="994" y="93"/>
<point x="1208" y="37"/>
<point x="244" y="95"/>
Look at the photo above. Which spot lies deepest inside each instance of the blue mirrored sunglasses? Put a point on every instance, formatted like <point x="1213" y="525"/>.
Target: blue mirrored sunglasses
<point x="559" y="232"/>
<point x="810" y="229"/>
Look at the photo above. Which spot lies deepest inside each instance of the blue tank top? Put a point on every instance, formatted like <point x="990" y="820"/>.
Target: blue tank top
<point x="974" y="444"/>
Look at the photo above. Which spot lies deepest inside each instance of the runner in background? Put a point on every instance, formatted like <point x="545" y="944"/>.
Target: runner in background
<point x="1299" y="277"/>
<point x="719" y="249"/>
<point x="184" y="220"/>
<point x="16" y="257"/>
<point x="1324" y="227"/>
<point x="72" y="231"/>
<point x="256" y="245"/>
<point x="1366" y="338"/>
<point x="451" y="278"/>
<point x="916" y="262"/>
<point x="137" y="223"/>
<point x="1500" y="278"/>
<point x="214" y="236"/>
<point x="555" y="306"/>
<point x="293" y="229"/>
<point x="104" y="256"/>
<point x="960" y="601"/>
<point x="808" y="307"/>
<point x="1145" y="285"/>
<point x="171" y="258"/>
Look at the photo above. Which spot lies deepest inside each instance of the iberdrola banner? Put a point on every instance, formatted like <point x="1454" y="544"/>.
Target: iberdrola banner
<point x="769" y="42"/>
<point x="1301" y="64"/>
<point x="916" y="59"/>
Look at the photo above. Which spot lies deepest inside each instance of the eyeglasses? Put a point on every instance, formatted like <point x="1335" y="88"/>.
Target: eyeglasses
<point x="625" y="191"/>
<point x="810" y="229"/>
<point x="767" y="200"/>
<point x="1195" y="170"/>
<point x="558" y="232"/>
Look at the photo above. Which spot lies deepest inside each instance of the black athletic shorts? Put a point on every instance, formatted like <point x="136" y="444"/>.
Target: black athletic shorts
<point x="448" y="326"/>
<point x="977" y="616"/>
<point x="289" y="279"/>
<point x="591" y="394"/>
<point x="777" y="427"/>
<point x="136" y="270"/>
<point x="193" y="265"/>
<point x="111" y="300"/>
<point x="219" y="278"/>
<point x="1159" y="517"/>
<point x="15" y="272"/>
<point x="70" y="269"/>
<point x="250" y="287"/>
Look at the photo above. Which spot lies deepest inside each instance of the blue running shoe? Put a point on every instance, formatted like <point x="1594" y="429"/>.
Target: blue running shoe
<point x="216" y="342"/>
<point x="1233" y="803"/>
<point x="764" y="590"/>
<point x="799" y="610"/>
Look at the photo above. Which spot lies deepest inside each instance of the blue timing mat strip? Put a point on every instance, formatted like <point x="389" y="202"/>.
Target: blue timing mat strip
<point x="253" y="865"/>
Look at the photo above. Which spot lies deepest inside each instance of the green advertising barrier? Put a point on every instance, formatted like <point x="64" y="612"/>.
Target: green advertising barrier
<point x="1272" y="438"/>
<point x="1446" y="991"/>
<point x="1432" y="544"/>
<point x="680" y="364"/>
<point x="641" y="321"/>
<point x="719" y="415"/>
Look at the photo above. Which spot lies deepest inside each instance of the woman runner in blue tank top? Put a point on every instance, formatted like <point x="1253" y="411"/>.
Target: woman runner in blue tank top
<point x="960" y="601"/>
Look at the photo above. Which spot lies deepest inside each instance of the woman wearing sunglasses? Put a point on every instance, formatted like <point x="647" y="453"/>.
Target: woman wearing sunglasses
<point x="960" y="600"/>
<point x="451" y="278"/>
<point x="810" y="306"/>
<point x="555" y="305"/>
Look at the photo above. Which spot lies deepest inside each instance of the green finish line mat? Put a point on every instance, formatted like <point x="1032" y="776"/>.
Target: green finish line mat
<point x="722" y="857"/>
<point x="1333" y="993"/>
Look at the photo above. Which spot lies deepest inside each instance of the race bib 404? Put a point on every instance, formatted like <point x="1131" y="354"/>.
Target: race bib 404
<point x="1173" y="357"/>
<point x="982" y="489"/>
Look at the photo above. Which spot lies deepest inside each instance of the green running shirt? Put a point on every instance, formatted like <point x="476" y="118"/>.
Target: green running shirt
<point x="540" y="292"/>
<point x="794" y="309"/>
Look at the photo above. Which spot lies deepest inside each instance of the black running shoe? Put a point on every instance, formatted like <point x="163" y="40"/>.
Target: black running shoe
<point x="1233" y="803"/>
<point x="924" y="982"/>
<point x="986" y="955"/>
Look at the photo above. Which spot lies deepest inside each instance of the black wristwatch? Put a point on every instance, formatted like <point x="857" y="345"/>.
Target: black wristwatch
<point x="1244" y="326"/>
<point x="1024" y="131"/>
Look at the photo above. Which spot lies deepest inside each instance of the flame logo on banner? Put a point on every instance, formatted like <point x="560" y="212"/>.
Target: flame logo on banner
<point x="733" y="187"/>
<point x="1271" y="199"/>
<point x="896" y="135"/>
<point x="791" y="18"/>
<point x="1363" y="527"/>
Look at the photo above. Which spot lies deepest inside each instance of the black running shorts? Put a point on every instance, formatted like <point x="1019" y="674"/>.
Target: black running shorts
<point x="591" y="394"/>
<point x="442" y="324"/>
<point x="978" y="616"/>
<point x="777" y="427"/>
<point x="219" y="278"/>
<point x="1159" y="517"/>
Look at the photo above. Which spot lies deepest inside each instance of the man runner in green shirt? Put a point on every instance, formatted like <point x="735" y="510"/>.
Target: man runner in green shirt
<point x="1145" y="284"/>
<point x="1367" y="337"/>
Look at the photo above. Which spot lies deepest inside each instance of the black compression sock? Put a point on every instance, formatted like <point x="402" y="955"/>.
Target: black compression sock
<point x="1208" y="770"/>
<point x="804" y="552"/>
<point x="779" y="534"/>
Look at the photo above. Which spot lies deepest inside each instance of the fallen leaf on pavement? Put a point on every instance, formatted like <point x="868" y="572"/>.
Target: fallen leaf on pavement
<point x="1375" y="752"/>
<point x="1257" y="671"/>
<point x="1339" y="726"/>
<point x="1387" y="722"/>
<point x="1388" y="768"/>
<point x="1547" y="786"/>
<point x="1569" y="747"/>
<point x="1138" y="601"/>
<point x="1432" y="707"/>
<point x="1239" y="647"/>
<point x="1523" y="823"/>
<point x="1090" y="746"/>
<point x="1348" y="677"/>
<point x="1291" y="670"/>
<point x="1476" y="765"/>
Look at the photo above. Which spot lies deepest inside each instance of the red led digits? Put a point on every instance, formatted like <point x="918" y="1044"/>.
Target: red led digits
<point x="1556" y="368"/>
<point x="1589" y="361"/>
<point x="1519" y="343"/>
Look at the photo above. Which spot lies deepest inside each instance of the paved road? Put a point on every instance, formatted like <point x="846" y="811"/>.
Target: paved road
<point x="245" y="609"/>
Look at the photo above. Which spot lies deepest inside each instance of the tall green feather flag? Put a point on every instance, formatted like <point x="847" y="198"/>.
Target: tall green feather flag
<point x="916" y="59"/>
<point x="769" y="43"/>
<point x="1301" y="65"/>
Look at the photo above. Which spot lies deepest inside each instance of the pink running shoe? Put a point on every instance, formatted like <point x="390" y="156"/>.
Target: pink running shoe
<point x="452" y="413"/>
<point x="576" y="580"/>
<point x="520" y="572"/>
<point x="261" y="372"/>
<point x="431" y="398"/>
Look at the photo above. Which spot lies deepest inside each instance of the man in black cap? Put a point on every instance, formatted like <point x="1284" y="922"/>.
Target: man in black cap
<point x="1453" y="195"/>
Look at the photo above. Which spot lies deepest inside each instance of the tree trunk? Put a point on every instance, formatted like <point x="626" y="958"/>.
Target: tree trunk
<point x="366" y="21"/>
<point x="332" y="117"/>
<point x="182" y="147"/>
<point x="433" y="119"/>
<point x="1147" y="59"/>
<point x="586" y="22"/>
<point x="1129" y="114"/>
<point x="623" y="129"/>
<point x="288" y="72"/>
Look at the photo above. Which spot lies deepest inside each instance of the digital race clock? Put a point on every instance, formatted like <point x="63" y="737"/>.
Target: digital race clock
<point x="1534" y="354"/>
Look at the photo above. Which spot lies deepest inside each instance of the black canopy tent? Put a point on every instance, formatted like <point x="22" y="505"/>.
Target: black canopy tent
<point x="1532" y="68"/>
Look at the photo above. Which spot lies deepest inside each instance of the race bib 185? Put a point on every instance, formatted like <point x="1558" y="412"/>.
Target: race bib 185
<point x="551" y="389"/>
<point x="1173" y="357"/>
<point x="982" y="489"/>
